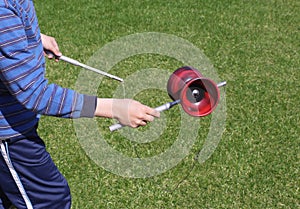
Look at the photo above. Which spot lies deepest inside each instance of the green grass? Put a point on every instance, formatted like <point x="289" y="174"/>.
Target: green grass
<point x="254" y="45"/>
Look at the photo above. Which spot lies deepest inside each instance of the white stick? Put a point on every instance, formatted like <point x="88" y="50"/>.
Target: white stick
<point x="221" y="84"/>
<point x="75" y="62"/>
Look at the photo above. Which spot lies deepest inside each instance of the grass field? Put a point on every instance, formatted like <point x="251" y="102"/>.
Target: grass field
<point x="254" y="46"/>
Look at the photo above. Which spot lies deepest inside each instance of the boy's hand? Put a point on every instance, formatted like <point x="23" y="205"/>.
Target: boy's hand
<point x="127" y="111"/>
<point x="50" y="44"/>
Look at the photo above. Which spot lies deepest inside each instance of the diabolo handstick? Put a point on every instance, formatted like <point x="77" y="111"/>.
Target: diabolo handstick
<point x="77" y="63"/>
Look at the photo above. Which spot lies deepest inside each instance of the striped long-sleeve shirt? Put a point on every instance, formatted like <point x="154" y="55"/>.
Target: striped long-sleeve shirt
<point x="24" y="91"/>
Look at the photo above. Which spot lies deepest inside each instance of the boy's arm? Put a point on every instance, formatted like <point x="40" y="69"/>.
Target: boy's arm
<point x="22" y="71"/>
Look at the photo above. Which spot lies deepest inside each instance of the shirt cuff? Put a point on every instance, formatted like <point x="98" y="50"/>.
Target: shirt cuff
<point x="89" y="106"/>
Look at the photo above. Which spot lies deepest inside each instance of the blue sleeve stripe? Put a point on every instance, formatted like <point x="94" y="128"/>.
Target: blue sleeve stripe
<point x="34" y="35"/>
<point x="62" y="104"/>
<point x="50" y="101"/>
<point x="15" y="66"/>
<point x="38" y="101"/>
<point x="11" y="42"/>
<point x="6" y="16"/>
<point x="9" y="29"/>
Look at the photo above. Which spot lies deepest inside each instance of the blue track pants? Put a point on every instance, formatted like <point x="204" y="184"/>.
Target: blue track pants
<point x="28" y="176"/>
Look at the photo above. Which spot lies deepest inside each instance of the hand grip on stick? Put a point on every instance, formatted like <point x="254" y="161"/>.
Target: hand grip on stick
<point x="159" y="109"/>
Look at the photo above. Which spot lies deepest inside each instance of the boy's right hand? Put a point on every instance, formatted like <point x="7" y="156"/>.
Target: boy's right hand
<point x="127" y="111"/>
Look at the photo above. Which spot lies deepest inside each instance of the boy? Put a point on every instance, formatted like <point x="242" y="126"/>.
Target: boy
<point x="28" y="176"/>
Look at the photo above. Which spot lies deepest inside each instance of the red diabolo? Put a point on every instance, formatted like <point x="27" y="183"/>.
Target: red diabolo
<point x="198" y="95"/>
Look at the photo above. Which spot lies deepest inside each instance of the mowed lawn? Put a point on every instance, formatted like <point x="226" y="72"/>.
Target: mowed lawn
<point x="253" y="45"/>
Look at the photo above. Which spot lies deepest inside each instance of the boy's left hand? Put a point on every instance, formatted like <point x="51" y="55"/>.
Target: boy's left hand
<point x="50" y="44"/>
